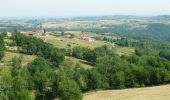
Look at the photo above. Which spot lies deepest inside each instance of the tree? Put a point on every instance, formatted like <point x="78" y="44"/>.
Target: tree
<point x="19" y="87"/>
<point x="39" y="72"/>
<point x="33" y="45"/>
<point x="77" y="52"/>
<point x="16" y="66"/>
<point x="94" y="80"/>
<point x="165" y="54"/>
<point x="117" y="80"/>
<point x="69" y="90"/>
<point x="89" y="55"/>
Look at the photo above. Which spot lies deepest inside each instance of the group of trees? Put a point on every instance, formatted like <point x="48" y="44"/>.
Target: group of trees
<point x="126" y="42"/>
<point x="165" y="54"/>
<point x="87" y="54"/>
<point x="82" y="53"/>
<point x="37" y="79"/>
<point x="133" y="71"/>
<point x="112" y="71"/>
<point x="2" y="35"/>
<point x="33" y="45"/>
<point x="15" y="85"/>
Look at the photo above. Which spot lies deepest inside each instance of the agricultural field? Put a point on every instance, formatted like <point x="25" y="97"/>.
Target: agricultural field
<point x="64" y="42"/>
<point x="147" y="93"/>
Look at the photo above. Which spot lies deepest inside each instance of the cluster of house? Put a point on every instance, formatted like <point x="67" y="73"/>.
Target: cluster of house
<point x="39" y="32"/>
<point x="86" y="38"/>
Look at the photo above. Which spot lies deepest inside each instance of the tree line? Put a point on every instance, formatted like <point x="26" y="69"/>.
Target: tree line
<point x="2" y="36"/>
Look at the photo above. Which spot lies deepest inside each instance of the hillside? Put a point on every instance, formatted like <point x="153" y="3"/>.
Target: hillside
<point x="148" y="93"/>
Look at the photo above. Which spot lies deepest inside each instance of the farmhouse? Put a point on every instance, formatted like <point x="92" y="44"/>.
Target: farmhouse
<point x="86" y="38"/>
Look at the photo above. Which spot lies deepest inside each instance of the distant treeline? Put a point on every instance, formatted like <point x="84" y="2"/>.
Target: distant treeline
<point x="17" y="27"/>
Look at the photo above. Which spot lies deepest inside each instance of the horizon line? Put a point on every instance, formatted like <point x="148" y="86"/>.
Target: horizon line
<point x="76" y="16"/>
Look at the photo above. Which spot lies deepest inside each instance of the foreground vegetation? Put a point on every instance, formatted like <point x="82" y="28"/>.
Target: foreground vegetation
<point x="66" y="73"/>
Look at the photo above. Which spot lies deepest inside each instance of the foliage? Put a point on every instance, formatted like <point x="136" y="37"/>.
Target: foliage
<point x="69" y="90"/>
<point x="33" y="45"/>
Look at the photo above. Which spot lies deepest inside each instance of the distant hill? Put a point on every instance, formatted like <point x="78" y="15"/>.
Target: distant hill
<point x="161" y="17"/>
<point x="113" y="17"/>
<point x="107" y="17"/>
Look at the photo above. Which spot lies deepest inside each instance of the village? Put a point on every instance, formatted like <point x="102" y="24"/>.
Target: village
<point x="41" y="33"/>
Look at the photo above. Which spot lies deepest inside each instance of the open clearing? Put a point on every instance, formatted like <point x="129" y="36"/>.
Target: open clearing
<point x="124" y="50"/>
<point x="148" y="93"/>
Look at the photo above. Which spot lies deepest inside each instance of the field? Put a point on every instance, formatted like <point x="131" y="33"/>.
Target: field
<point x="9" y="55"/>
<point x="83" y="63"/>
<point x="148" y="93"/>
<point x="63" y="42"/>
<point x="124" y="50"/>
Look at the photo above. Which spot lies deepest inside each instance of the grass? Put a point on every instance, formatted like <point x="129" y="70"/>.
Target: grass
<point x="9" y="55"/>
<point x="83" y="63"/>
<point x="147" y="93"/>
<point x="63" y="42"/>
<point x="124" y="50"/>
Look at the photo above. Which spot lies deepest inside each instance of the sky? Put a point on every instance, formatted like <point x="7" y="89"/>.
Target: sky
<point x="67" y="8"/>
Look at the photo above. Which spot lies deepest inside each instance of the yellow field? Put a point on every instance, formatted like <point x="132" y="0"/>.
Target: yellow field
<point x="148" y="93"/>
<point x="63" y="42"/>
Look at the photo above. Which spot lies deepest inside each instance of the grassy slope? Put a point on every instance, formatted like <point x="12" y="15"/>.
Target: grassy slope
<point x="124" y="50"/>
<point x="9" y="55"/>
<point x="147" y="93"/>
<point x="82" y="62"/>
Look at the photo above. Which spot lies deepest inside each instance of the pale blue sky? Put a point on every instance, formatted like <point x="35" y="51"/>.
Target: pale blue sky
<point x="60" y="8"/>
